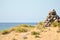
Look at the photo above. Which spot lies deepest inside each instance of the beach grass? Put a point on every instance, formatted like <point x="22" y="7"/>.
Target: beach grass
<point x="4" y="32"/>
<point x="35" y="33"/>
<point x="55" y="24"/>
<point x="19" y="28"/>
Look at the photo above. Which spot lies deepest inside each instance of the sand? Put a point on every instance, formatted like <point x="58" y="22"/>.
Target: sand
<point x="49" y="33"/>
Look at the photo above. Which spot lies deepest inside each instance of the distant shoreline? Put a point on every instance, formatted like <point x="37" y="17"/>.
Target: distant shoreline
<point x="10" y="25"/>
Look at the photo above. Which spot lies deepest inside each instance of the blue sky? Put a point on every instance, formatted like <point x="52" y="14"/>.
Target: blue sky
<point x="27" y="10"/>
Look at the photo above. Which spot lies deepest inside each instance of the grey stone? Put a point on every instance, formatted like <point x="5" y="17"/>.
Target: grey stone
<point x="52" y="16"/>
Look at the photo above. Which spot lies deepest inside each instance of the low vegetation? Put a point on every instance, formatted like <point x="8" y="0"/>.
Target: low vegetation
<point x="40" y="23"/>
<point x="21" y="30"/>
<point x="5" y="32"/>
<point x="35" y="33"/>
<point x="58" y="27"/>
<point x="25" y="28"/>
<point x="58" y="31"/>
<point x="59" y="24"/>
<point x="37" y="36"/>
<point x="24" y="25"/>
<point x="55" y="24"/>
<point x="14" y="39"/>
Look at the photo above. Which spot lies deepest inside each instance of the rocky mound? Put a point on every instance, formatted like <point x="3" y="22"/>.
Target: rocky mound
<point x="52" y="16"/>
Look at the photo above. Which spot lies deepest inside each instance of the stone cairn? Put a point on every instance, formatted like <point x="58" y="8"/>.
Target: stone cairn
<point x="52" y="16"/>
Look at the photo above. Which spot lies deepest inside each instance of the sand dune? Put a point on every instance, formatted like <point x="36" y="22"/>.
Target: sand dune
<point x="49" y="33"/>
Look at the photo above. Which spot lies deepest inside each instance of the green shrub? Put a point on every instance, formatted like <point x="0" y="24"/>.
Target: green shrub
<point x="35" y="33"/>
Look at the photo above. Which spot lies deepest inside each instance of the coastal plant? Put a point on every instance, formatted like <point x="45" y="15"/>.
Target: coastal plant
<point x="58" y="31"/>
<point x="55" y="24"/>
<point x="40" y="23"/>
<point x="35" y="33"/>
<point x="58" y="27"/>
<point x="59" y="24"/>
<point x="31" y="26"/>
<point x="21" y="30"/>
<point x="37" y="36"/>
<point x="4" y="32"/>
<point x="14" y="39"/>
<point x="24" y="25"/>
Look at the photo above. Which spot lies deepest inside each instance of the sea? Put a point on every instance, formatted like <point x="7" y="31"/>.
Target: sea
<point x="4" y="26"/>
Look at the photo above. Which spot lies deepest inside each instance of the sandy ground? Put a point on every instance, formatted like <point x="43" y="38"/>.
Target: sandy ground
<point x="50" y="33"/>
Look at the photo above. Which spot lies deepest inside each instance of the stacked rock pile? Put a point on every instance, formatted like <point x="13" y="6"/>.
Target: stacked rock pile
<point x="52" y="16"/>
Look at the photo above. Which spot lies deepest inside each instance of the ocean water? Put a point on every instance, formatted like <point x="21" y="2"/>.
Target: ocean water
<point x="4" y="26"/>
